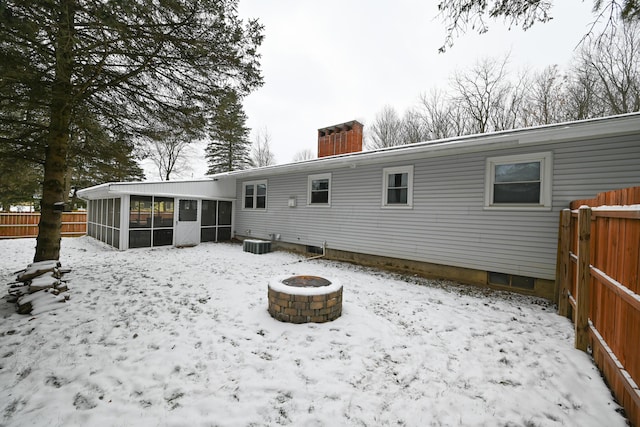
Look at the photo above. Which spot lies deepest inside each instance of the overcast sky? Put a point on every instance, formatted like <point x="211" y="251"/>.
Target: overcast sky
<point x="332" y="61"/>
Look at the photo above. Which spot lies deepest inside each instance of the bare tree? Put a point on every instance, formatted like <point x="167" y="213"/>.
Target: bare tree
<point x="546" y="98"/>
<point x="386" y="130"/>
<point x="615" y="61"/>
<point x="481" y="92"/>
<point x="436" y="112"/>
<point x="581" y="97"/>
<point x="306" y="154"/>
<point x="413" y="127"/>
<point x="261" y="154"/>
<point x="605" y="79"/>
<point x="460" y="121"/>
<point x="509" y="104"/>
<point x="169" y="151"/>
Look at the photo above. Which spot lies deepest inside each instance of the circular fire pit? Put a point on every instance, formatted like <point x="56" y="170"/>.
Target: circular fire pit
<point x="304" y="299"/>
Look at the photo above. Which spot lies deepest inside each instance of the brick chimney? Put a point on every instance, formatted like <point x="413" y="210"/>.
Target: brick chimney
<point x="340" y="139"/>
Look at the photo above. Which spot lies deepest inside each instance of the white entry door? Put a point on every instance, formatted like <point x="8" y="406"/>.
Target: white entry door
<point x="188" y="223"/>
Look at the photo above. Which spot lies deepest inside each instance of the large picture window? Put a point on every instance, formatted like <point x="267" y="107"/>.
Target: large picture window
<point x="319" y="192"/>
<point x="397" y="187"/>
<point x="254" y="195"/>
<point x="522" y="181"/>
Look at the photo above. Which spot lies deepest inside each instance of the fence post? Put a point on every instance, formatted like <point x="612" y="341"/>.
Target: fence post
<point x="583" y="278"/>
<point x="564" y="260"/>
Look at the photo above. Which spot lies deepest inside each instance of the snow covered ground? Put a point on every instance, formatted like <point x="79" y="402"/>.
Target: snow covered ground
<point x="182" y="337"/>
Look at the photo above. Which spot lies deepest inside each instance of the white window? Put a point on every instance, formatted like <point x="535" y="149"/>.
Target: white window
<point x="397" y="187"/>
<point x="319" y="190"/>
<point x="519" y="182"/>
<point x="254" y="195"/>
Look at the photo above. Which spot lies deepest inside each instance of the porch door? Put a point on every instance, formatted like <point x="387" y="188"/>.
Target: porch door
<point x="187" y="226"/>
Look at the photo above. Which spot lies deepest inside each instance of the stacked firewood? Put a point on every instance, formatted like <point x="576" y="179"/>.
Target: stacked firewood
<point x="39" y="287"/>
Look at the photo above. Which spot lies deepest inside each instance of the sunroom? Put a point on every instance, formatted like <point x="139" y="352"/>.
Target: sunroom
<point x="149" y="214"/>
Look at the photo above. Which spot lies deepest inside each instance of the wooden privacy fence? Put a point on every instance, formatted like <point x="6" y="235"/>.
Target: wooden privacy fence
<point x="25" y="224"/>
<point x="599" y="282"/>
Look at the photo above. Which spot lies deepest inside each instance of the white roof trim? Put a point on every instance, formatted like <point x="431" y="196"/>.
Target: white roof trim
<point x="555" y="133"/>
<point x="115" y="189"/>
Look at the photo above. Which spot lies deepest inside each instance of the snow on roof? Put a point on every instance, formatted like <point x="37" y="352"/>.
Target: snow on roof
<point x="554" y="133"/>
<point x="197" y="189"/>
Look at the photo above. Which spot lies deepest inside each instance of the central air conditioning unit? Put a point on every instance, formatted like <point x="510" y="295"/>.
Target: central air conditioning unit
<point x="257" y="247"/>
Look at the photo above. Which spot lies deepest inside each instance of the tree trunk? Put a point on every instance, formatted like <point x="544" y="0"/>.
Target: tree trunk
<point x="55" y="163"/>
<point x="68" y="203"/>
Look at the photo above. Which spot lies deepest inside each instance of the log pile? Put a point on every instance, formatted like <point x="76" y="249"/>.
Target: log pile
<point x="39" y="288"/>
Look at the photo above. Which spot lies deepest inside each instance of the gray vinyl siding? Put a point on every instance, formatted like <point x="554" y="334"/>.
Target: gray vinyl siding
<point x="607" y="165"/>
<point x="448" y="223"/>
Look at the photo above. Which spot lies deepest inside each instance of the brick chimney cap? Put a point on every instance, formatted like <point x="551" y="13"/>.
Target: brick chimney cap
<point x="341" y="126"/>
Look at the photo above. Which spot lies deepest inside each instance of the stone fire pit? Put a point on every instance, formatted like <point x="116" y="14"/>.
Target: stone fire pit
<point x="304" y="299"/>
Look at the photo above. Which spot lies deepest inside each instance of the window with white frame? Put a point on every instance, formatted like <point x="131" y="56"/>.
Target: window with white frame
<point x="254" y="194"/>
<point x="520" y="181"/>
<point x="397" y="187"/>
<point x="319" y="189"/>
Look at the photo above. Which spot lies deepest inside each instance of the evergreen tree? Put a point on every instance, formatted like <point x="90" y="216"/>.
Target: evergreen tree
<point x="229" y="148"/>
<point x="462" y="14"/>
<point x="96" y="156"/>
<point x="20" y="182"/>
<point x="123" y="63"/>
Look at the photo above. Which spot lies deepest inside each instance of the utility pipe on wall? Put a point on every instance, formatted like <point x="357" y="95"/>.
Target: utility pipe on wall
<point x="324" y="252"/>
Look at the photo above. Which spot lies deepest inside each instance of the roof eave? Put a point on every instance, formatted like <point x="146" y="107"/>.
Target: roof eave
<point x="600" y="127"/>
